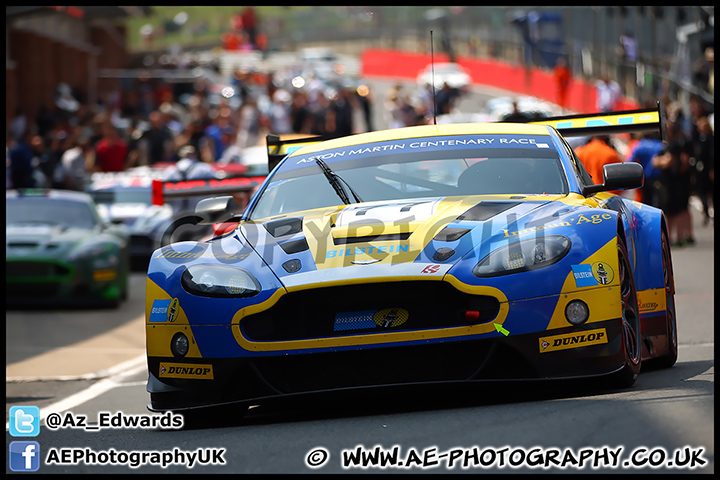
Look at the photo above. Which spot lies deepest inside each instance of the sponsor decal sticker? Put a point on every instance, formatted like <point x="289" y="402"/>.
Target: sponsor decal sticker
<point x="172" y="310"/>
<point x="361" y="319"/>
<point x="599" y="273"/>
<point x="184" y="370"/>
<point x="584" y="276"/>
<point x="159" y="311"/>
<point x="603" y="273"/>
<point x="573" y="340"/>
<point x="390" y="317"/>
<point x="650" y="301"/>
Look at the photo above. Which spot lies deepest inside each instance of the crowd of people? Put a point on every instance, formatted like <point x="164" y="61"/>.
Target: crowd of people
<point x="151" y="121"/>
<point x="676" y="169"/>
<point x="149" y="124"/>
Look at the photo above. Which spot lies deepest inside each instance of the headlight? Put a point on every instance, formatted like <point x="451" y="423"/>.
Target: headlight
<point x="97" y="251"/>
<point x="523" y="256"/>
<point x="219" y="281"/>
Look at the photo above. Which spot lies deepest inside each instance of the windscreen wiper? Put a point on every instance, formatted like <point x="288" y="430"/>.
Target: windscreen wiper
<point x="335" y="181"/>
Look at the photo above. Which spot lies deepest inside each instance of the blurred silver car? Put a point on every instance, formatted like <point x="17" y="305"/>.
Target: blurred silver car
<point x="446" y="72"/>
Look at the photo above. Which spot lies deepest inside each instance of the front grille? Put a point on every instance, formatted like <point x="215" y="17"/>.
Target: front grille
<point x="35" y="269"/>
<point x="328" y="312"/>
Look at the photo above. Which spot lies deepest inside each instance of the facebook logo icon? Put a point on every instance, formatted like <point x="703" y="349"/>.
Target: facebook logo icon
<point x="24" y="456"/>
<point x="24" y="421"/>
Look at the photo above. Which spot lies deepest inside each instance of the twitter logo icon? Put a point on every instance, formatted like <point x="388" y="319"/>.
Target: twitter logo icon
<point x="24" y="421"/>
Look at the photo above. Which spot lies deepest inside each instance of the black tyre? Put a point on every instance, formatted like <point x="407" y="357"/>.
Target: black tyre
<point x="669" y="359"/>
<point x="632" y="340"/>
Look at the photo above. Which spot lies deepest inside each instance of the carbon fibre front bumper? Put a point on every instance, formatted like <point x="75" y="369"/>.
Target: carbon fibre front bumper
<point x="574" y="352"/>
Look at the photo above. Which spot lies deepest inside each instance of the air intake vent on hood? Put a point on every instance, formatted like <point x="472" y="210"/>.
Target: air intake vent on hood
<point x="486" y="210"/>
<point x="372" y="238"/>
<point x="284" y="227"/>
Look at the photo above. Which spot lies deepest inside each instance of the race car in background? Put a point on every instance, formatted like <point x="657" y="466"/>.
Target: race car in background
<point x="130" y="198"/>
<point x="437" y="253"/>
<point x="59" y="251"/>
<point x="126" y="198"/>
<point x="439" y="74"/>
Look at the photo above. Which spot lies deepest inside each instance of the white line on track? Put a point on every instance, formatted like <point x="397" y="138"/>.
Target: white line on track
<point x="114" y="379"/>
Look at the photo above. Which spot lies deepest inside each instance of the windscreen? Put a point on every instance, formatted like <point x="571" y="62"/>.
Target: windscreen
<point x="49" y="211"/>
<point x="417" y="168"/>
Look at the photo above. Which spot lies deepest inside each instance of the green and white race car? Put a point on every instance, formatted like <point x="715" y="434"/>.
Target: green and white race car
<point x="59" y="252"/>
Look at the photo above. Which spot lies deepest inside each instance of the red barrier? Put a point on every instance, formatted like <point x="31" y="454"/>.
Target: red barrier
<point x="538" y="83"/>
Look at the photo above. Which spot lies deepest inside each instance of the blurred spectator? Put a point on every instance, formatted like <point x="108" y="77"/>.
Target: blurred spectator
<point x="216" y="132"/>
<point x="21" y="160"/>
<point x="249" y="123"/>
<point x="156" y="143"/>
<point x="111" y="150"/>
<point x="675" y="177"/>
<point x="562" y="76"/>
<point x="299" y="111"/>
<point x="46" y="156"/>
<point x="406" y="114"/>
<point x="171" y="116"/>
<point x="65" y="100"/>
<point x="280" y="113"/>
<point x="231" y="41"/>
<point x="18" y="124"/>
<point x="72" y="172"/>
<point x="597" y="153"/>
<point x="190" y="136"/>
<point x="607" y="93"/>
<point x="705" y="167"/>
<point x="516" y="116"/>
<point x="628" y="59"/>
<point x="189" y="167"/>
<point x="342" y="107"/>
<point x="649" y="146"/>
<point x="704" y="74"/>
<point x="365" y="100"/>
<point x="44" y="120"/>
<point x="446" y="99"/>
<point x="250" y="24"/>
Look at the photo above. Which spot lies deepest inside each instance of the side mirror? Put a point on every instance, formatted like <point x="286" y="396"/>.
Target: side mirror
<point x="618" y="176"/>
<point x="215" y="210"/>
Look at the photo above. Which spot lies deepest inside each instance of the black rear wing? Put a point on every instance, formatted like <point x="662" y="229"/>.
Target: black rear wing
<point x="610" y="123"/>
<point x="278" y="148"/>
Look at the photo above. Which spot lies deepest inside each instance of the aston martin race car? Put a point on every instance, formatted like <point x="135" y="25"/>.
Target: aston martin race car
<point x="436" y="253"/>
<point x="141" y="199"/>
<point x="60" y="252"/>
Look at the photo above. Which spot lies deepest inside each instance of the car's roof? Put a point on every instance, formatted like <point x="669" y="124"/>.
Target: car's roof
<point x="49" y="193"/>
<point x="427" y="131"/>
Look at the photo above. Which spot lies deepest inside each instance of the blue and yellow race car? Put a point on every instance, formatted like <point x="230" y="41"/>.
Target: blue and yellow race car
<point x="438" y="253"/>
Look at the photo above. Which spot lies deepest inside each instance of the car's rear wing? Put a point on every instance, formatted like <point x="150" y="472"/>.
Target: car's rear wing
<point x="211" y="187"/>
<point x="278" y="148"/>
<point x="610" y="123"/>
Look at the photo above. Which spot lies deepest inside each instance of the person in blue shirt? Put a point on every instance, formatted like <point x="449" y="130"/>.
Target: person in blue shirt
<point x="21" y="161"/>
<point x="650" y="145"/>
